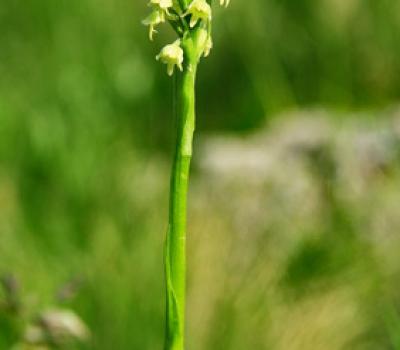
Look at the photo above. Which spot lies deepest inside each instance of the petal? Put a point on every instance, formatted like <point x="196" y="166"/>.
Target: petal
<point x="170" y="69"/>
<point x="193" y="20"/>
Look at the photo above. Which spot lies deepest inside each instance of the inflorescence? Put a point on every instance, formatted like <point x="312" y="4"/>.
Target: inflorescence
<point x="187" y="18"/>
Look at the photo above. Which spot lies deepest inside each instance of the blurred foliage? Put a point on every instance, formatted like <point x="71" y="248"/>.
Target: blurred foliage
<point x="85" y="122"/>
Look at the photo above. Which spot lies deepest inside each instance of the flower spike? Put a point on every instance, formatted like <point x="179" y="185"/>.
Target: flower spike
<point x="191" y="20"/>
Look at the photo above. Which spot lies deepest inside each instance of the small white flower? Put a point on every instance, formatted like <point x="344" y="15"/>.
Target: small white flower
<point x="172" y="55"/>
<point x="199" y="10"/>
<point x="156" y="17"/>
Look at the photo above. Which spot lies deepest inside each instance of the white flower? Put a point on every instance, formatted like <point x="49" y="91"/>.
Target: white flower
<point x="172" y="55"/>
<point x="156" y="17"/>
<point x="224" y="2"/>
<point x="199" y="10"/>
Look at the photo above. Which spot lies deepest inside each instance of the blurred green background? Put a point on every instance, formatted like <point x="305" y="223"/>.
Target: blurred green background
<point x="295" y="200"/>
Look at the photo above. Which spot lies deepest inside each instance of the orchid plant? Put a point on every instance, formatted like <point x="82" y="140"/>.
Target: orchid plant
<point x="191" y="20"/>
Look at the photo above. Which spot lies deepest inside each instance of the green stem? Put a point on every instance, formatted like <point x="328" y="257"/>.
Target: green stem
<point x="175" y="254"/>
